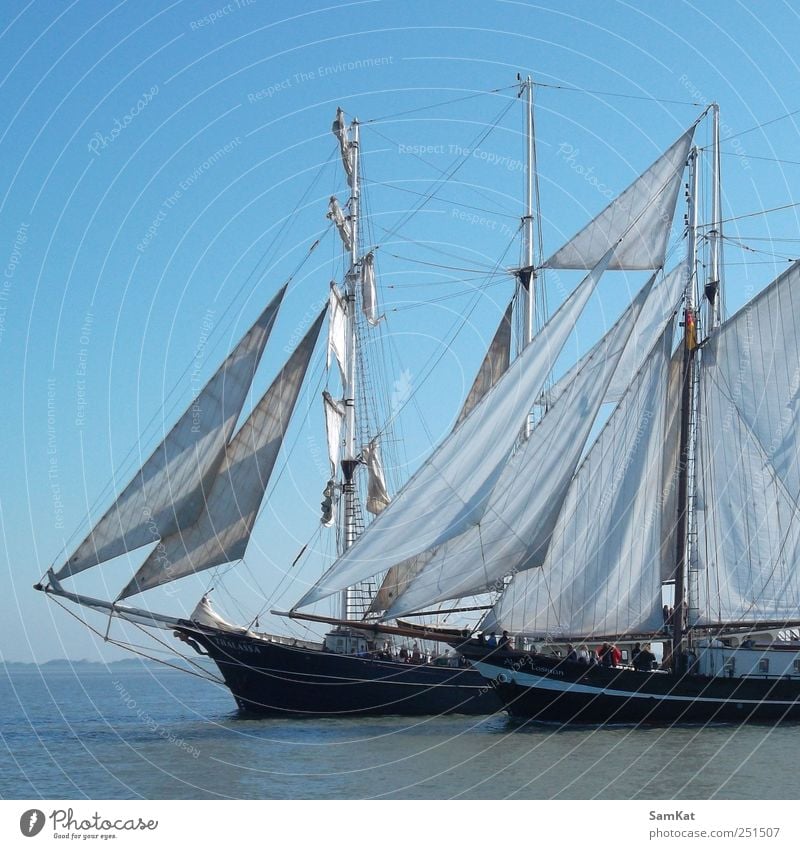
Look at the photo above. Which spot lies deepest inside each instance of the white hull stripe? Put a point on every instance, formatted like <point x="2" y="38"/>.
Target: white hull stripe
<point x="524" y="679"/>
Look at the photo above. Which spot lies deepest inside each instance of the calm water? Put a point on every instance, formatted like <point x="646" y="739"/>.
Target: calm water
<point x="134" y="733"/>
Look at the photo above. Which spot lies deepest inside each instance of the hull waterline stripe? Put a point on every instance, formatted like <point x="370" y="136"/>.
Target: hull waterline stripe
<point x="524" y="679"/>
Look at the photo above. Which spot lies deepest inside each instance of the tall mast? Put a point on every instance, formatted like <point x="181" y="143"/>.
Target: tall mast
<point x="527" y="275"/>
<point x="687" y="392"/>
<point x="349" y="458"/>
<point x="715" y="233"/>
<point x="528" y="280"/>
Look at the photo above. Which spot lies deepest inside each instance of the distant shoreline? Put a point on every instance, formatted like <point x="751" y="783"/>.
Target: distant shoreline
<point x="65" y="663"/>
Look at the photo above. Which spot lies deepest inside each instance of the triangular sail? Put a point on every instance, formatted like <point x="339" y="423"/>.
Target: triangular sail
<point x="167" y="492"/>
<point x="665" y="295"/>
<point x="514" y="533"/>
<point x="221" y="533"/>
<point x="494" y="364"/>
<point x="748" y="447"/>
<point x="450" y="492"/>
<point x="644" y="211"/>
<point x="602" y="573"/>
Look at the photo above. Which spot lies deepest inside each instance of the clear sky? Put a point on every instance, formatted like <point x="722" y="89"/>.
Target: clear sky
<point x="152" y="152"/>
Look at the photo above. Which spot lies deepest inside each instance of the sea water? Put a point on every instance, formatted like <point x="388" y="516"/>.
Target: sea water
<point x="127" y="732"/>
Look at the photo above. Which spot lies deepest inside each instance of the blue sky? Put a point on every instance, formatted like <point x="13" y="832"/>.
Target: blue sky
<point x="153" y="158"/>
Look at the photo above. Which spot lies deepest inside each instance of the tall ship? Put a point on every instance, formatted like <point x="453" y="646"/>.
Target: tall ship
<point x="569" y="504"/>
<point x="670" y="521"/>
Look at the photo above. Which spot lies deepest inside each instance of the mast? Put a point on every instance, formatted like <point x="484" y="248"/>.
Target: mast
<point x="527" y="275"/>
<point x="347" y="516"/>
<point x="687" y="393"/>
<point x="712" y="289"/>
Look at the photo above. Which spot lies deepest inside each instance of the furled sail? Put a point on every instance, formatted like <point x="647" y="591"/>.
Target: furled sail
<point x="514" y="532"/>
<point x="602" y="573"/>
<point x="450" y="492"/>
<point x="645" y="210"/>
<point x="336" y="215"/>
<point x="339" y="129"/>
<point x="337" y="330"/>
<point x="377" y="493"/>
<point x="334" y="422"/>
<point x="167" y="492"/>
<point x="369" y="296"/>
<point x="748" y="454"/>
<point x="221" y="533"/>
<point x="493" y="366"/>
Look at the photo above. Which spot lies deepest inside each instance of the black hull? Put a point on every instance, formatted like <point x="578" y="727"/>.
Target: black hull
<point x="275" y="679"/>
<point x="552" y="690"/>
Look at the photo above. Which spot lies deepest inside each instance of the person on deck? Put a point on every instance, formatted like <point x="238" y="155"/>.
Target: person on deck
<point x="643" y="662"/>
<point x="634" y="654"/>
<point x="505" y="641"/>
<point x="492" y="641"/>
<point x="572" y="655"/>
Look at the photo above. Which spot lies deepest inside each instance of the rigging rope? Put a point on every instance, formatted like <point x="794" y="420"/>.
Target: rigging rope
<point x="441" y="103"/>
<point x="618" y="94"/>
<point x="759" y="126"/>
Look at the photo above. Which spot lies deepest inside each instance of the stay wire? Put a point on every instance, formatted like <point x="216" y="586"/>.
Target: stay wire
<point x="452" y="334"/>
<point x="497" y="212"/>
<point x="449" y="173"/>
<point x="759" y="126"/>
<point x="753" y="214"/>
<point x="436" y="105"/>
<point x="618" y="94"/>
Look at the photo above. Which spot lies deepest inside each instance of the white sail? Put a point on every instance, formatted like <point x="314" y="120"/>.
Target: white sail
<point x="748" y="491"/>
<point x="493" y="366"/>
<point x="665" y="296"/>
<point x="222" y="531"/>
<point x="369" y="296"/>
<point x="513" y="534"/>
<point x="377" y="494"/>
<point x="664" y="299"/>
<point x="602" y="573"/>
<point x="644" y="211"/>
<point x="450" y="492"/>
<point x="668" y="495"/>
<point x="167" y="492"/>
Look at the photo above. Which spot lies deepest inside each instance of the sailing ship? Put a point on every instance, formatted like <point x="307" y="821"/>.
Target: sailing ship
<point x="196" y="499"/>
<point x="570" y="525"/>
<point x="689" y="491"/>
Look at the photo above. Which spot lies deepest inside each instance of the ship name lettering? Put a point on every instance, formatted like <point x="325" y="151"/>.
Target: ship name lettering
<point x="230" y="644"/>
<point x="545" y="671"/>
